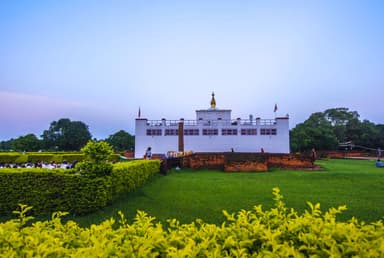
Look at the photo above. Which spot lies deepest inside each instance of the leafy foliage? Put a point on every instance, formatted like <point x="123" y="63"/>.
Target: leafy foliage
<point x="97" y="152"/>
<point x="12" y="157"/>
<point x="315" y="132"/>
<point x="121" y="141"/>
<point x="324" y="130"/>
<point x="52" y="190"/>
<point x="28" y="142"/>
<point x="93" y="170"/>
<point x="66" y="135"/>
<point x="277" y="232"/>
<point x="97" y="155"/>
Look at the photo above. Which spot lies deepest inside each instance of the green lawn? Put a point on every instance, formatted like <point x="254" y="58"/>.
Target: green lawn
<point x="187" y="194"/>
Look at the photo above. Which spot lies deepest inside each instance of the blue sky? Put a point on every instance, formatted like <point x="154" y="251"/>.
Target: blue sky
<point x="99" y="61"/>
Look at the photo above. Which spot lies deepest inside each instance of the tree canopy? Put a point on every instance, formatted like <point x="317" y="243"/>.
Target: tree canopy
<point x="325" y="130"/>
<point x="66" y="135"/>
<point x="28" y="142"/>
<point x="121" y="140"/>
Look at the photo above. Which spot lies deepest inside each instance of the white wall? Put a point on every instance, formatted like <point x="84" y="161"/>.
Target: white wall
<point x="216" y="143"/>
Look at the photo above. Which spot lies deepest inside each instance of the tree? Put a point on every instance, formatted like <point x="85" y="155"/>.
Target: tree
<point x="6" y="145"/>
<point x="315" y="132"/>
<point x="67" y="135"/>
<point x="339" y="118"/>
<point x="121" y="141"/>
<point x="28" y="142"/>
<point x="324" y="130"/>
<point x="380" y="132"/>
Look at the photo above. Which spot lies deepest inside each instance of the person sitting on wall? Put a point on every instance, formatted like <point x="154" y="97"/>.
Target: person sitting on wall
<point x="379" y="164"/>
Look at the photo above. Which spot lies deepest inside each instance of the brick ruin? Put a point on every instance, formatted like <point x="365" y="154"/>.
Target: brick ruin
<point x="240" y="162"/>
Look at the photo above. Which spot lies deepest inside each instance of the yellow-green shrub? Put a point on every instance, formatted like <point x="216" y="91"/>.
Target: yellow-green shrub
<point x="278" y="232"/>
<point x="14" y="157"/>
<point x="127" y="176"/>
<point x="65" y="190"/>
<point x="9" y="157"/>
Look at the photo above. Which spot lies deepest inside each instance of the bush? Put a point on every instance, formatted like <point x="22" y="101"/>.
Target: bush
<point x="51" y="190"/>
<point x="97" y="152"/>
<point x="92" y="170"/>
<point x="65" y="190"/>
<point x="97" y="155"/>
<point x="71" y="157"/>
<point x="9" y="157"/>
<point x="127" y="176"/>
<point x="278" y="232"/>
<point x="17" y="157"/>
<point x="46" y="157"/>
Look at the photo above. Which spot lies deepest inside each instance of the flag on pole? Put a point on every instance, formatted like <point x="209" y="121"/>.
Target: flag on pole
<point x="139" y="113"/>
<point x="275" y="109"/>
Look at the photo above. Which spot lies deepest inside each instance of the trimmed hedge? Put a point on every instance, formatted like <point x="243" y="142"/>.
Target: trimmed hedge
<point x="63" y="190"/>
<point x="127" y="176"/>
<point x="18" y="157"/>
<point x="49" y="191"/>
<point x="9" y="157"/>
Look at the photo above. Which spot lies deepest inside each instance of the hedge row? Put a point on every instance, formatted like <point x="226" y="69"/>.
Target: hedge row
<point x="127" y="176"/>
<point x="17" y="157"/>
<point x="278" y="232"/>
<point x="63" y="190"/>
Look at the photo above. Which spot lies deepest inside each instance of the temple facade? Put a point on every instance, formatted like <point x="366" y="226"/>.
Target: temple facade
<point x="213" y="130"/>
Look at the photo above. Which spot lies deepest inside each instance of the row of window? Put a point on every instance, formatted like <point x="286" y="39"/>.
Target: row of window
<point x="245" y="131"/>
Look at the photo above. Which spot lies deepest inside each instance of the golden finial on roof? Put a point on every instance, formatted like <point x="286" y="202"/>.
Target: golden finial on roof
<point x="213" y="101"/>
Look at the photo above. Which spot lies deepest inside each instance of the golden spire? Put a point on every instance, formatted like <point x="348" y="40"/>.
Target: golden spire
<point x="213" y="101"/>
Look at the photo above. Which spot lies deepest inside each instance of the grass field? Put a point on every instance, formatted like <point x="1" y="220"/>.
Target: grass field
<point x="187" y="194"/>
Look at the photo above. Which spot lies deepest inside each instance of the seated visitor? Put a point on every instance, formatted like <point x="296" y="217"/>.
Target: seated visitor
<point x="379" y="164"/>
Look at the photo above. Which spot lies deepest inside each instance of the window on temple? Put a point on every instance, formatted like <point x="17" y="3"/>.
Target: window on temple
<point x="249" y="131"/>
<point x="191" y="131"/>
<point x="171" y="132"/>
<point x="268" y="131"/>
<point x="228" y="131"/>
<point x="210" y="132"/>
<point x="154" y="132"/>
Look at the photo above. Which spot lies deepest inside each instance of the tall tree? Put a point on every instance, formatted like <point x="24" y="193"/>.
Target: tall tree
<point x="380" y="138"/>
<point x="315" y="132"/>
<point x="339" y="118"/>
<point x="121" y="140"/>
<point x="67" y="135"/>
<point x="324" y="130"/>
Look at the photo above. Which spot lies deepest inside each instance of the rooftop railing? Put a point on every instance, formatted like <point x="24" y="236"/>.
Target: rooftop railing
<point x="232" y="122"/>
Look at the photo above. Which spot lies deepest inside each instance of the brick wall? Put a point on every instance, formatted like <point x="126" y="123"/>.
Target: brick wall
<point x="203" y="160"/>
<point x="234" y="161"/>
<point x="289" y="161"/>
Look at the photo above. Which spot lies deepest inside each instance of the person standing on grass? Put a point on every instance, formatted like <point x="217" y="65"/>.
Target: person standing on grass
<point x="313" y="156"/>
<point x="379" y="153"/>
<point x="148" y="153"/>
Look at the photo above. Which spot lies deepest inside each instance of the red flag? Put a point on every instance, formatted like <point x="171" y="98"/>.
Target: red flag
<point x="275" y="109"/>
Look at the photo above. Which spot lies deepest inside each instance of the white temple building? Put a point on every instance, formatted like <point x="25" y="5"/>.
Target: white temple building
<point x="214" y="130"/>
